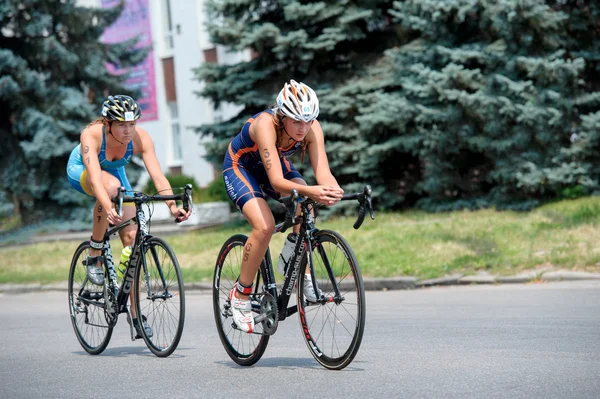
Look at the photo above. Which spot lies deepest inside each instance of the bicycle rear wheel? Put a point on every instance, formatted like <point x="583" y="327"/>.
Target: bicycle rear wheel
<point x="243" y="348"/>
<point x="86" y="306"/>
<point x="160" y="297"/>
<point x="333" y="328"/>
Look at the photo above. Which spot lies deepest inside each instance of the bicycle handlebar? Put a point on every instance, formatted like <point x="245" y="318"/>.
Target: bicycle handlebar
<point x="141" y="198"/>
<point x="364" y="199"/>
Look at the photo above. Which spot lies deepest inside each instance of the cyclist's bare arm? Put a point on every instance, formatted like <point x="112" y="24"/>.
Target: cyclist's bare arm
<point x="318" y="156"/>
<point x="161" y="183"/>
<point x="264" y="135"/>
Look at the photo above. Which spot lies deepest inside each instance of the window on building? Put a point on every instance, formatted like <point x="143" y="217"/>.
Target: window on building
<point x="176" y="140"/>
<point x="167" y="24"/>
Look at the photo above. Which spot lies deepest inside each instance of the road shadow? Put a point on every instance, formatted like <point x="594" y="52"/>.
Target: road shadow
<point x="289" y="363"/>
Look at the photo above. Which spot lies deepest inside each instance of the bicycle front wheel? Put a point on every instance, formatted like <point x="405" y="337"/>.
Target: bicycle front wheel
<point x="243" y="348"/>
<point x="333" y="327"/>
<point x="160" y="297"/>
<point x="86" y="305"/>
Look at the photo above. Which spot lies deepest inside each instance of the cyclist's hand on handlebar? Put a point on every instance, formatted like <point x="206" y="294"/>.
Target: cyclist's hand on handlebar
<point x="113" y="217"/>
<point x="180" y="214"/>
<point x="326" y="195"/>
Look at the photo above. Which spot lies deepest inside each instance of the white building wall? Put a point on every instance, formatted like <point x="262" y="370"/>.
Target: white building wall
<point x="189" y="40"/>
<point x="193" y="110"/>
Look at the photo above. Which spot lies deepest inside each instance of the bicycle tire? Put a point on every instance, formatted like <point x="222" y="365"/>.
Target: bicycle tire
<point x="86" y="306"/>
<point x="332" y="329"/>
<point x="160" y="297"/>
<point x="243" y="348"/>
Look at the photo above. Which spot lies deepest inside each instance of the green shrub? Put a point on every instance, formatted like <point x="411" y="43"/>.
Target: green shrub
<point x="572" y="192"/>
<point x="214" y="192"/>
<point x="176" y="182"/>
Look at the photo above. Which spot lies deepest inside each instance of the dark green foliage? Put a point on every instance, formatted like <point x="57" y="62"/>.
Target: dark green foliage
<point x="438" y="104"/>
<point x="214" y="192"/>
<point x="177" y="182"/>
<point x="51" y="64"/>
<point x="482" y="101"/>
<point x="322" y="43"/>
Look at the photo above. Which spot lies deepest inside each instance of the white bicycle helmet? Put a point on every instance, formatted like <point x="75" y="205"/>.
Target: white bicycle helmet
<point x="298" y="101"/>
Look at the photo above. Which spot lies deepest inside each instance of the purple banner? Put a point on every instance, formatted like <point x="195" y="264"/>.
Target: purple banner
<point x="135" y="21"/>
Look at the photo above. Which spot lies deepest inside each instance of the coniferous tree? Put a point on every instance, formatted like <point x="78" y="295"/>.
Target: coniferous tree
<point x="576" y="168"/>
<point x="480" y="100"/>
<point x="321" y="43"/>
<point x="53" y="78"/>
<point x="464" y="104"/>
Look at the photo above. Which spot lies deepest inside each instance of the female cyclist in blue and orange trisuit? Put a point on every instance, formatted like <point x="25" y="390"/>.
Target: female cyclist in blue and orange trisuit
<point x="96" y="167"/>
<point x="256" y="164"/>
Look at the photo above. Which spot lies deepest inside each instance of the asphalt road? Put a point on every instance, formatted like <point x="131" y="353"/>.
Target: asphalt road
<point x="504" y="341"/>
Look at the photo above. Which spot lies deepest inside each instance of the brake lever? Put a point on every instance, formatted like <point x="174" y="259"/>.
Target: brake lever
<point x="187" y="199"/>
<point x="119" y="203"/>
<point x="368" y="192"/>
<point x="364" y="199"/>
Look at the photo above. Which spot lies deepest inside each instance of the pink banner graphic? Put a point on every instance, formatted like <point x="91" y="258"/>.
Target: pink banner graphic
<point x="135" y="21"/>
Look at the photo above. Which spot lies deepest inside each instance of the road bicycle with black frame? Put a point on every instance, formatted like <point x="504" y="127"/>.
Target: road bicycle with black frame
<point x="332" y="326"/>
<point x="153" y="273"/>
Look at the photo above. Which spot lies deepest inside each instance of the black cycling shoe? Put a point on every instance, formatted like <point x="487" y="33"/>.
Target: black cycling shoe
<point x="136" y="324"/>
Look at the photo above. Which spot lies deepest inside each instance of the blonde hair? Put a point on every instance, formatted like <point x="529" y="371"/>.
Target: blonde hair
<point x="279" y="129"/>
<point x="97" y="121"/>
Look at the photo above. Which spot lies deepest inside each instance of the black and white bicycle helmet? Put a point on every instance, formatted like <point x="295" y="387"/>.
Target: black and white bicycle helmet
<point x="121" y="108"/>
<point x="298" y="101"/>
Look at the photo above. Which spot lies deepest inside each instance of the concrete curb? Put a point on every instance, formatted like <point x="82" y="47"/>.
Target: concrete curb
<point x="370" y="283"/>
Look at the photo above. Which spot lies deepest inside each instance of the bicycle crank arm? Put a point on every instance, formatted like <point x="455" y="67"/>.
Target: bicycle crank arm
<point x="131" y="327"/>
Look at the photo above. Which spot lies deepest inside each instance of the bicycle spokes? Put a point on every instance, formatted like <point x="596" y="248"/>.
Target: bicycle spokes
<point x="333" y="326"/>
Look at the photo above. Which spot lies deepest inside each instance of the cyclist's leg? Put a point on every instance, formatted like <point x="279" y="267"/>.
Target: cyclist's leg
<point x="100" y="222"/>
<point x="243" y="188"/>
<point x="257" y="211"/>
<point x="111" y="185"/>
<point x="260" y="217"/>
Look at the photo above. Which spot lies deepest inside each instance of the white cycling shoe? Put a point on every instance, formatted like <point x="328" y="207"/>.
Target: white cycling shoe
<point x="242" y="312"/>
<point x="309" y="290"/>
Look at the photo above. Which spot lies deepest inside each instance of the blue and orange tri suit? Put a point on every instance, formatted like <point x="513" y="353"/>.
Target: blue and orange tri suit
<point x="78" y="174"/>
<point x="243" y="171"/>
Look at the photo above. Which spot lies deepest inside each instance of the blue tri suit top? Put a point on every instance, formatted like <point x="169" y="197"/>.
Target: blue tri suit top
<point x="243" y="171"/>
<point x="77" y="173"/>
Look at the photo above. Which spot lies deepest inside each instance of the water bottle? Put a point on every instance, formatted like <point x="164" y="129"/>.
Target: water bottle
<point x="124" y="262"/>
<point x="286" y="252"/>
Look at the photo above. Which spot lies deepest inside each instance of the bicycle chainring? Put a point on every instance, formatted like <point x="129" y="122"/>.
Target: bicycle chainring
<point x="268" y="308"/>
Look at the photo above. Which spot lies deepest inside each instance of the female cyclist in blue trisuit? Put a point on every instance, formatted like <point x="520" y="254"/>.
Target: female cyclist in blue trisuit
<point x="96" y="167"/>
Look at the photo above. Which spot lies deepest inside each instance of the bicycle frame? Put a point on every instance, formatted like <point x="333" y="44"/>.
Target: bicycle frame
<point x="138" y="247"/>
<point x="302" y="251"/>
<point x="142" y="236"/>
